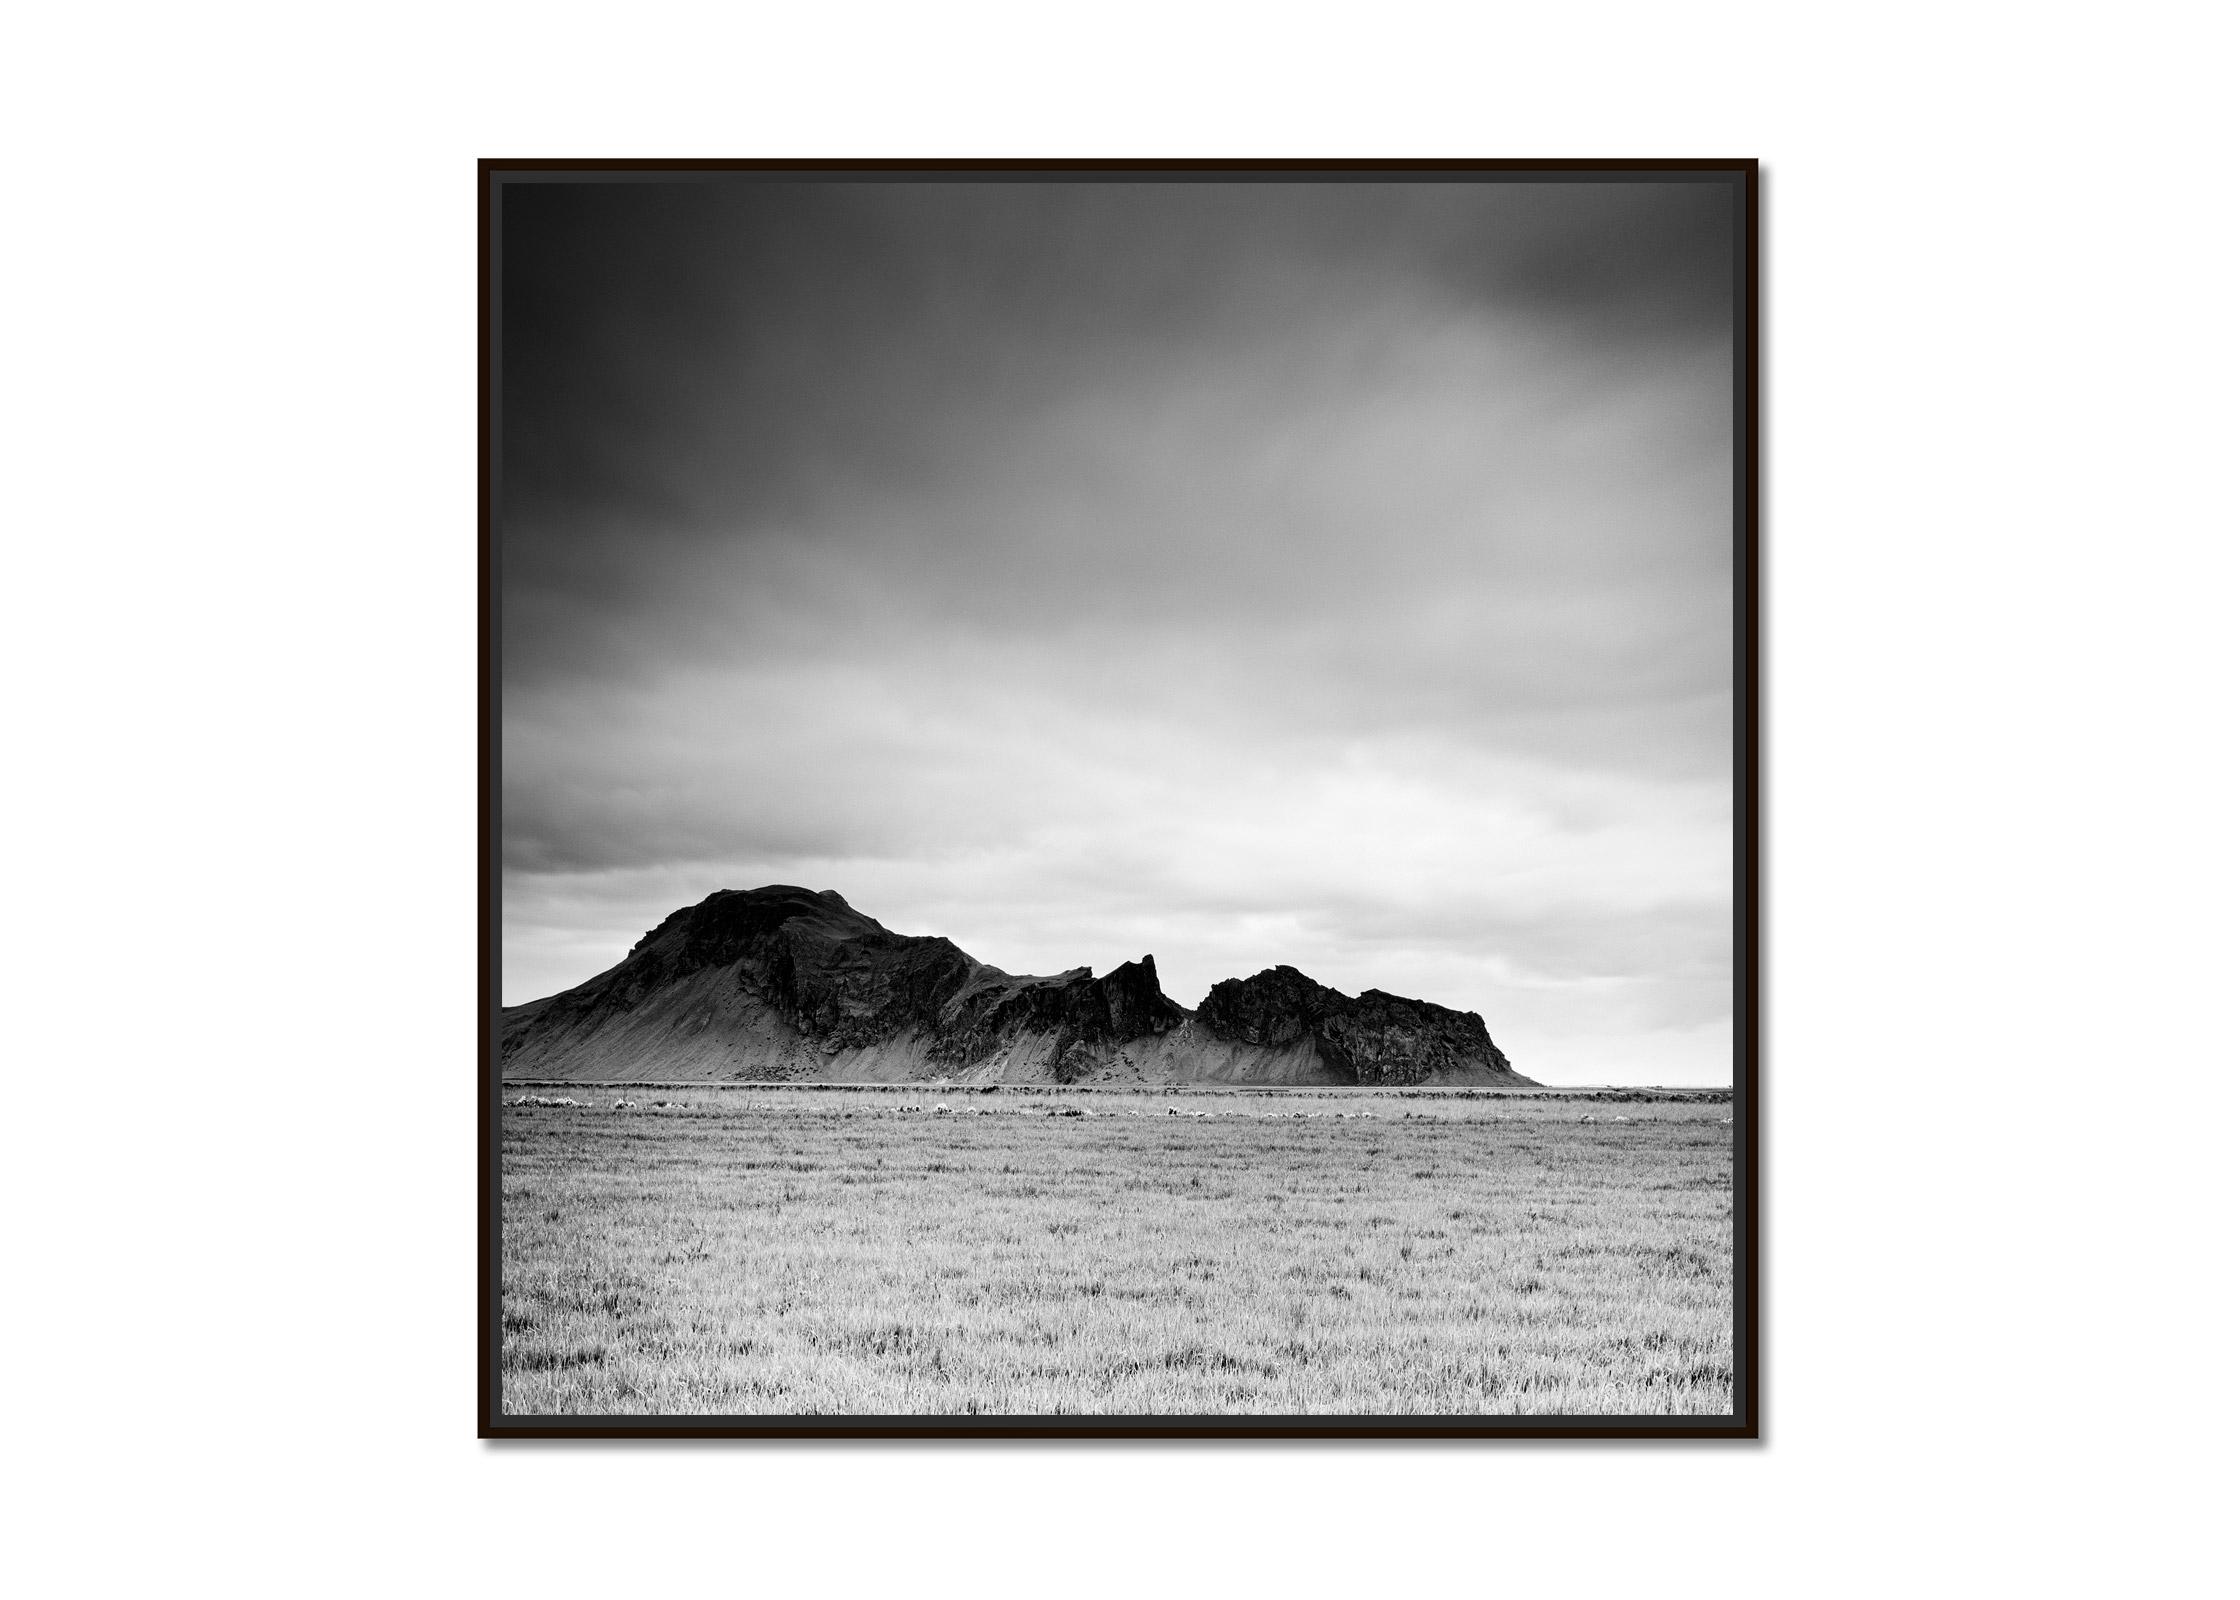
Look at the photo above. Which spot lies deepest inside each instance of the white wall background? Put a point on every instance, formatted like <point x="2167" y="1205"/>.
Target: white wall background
<point x="239" y="495"/>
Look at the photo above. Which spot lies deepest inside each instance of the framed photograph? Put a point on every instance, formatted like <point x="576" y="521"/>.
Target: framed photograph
<point x="1119" y="799"/>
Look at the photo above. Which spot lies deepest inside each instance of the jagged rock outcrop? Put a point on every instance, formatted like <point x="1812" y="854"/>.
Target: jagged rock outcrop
<point x="1076" y="1010"/>
<point x="784" y="983"/>
<point x="1378" y="1039"/>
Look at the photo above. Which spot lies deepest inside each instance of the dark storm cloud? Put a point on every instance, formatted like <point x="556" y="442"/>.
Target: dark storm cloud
<point x="1345" y="564"/>
<point x="951" y="376"/>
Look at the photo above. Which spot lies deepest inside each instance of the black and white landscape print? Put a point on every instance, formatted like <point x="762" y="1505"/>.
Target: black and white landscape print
<point x="1115" y="797"/>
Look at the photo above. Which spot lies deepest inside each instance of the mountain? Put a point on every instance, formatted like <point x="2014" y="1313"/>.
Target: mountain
<point x="786" y="983"/>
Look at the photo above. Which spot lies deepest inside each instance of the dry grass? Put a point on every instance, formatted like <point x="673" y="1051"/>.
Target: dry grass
<point x="791" y="1251"/>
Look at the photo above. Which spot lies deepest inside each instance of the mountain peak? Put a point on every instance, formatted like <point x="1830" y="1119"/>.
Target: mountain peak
<point x="1378" y="1038"/>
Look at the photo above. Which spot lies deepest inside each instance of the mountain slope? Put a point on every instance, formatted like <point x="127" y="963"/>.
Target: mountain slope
<point x="784" y="983"/>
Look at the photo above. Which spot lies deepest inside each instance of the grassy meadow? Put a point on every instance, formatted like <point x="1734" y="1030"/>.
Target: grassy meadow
<point x="797" y="1250"/>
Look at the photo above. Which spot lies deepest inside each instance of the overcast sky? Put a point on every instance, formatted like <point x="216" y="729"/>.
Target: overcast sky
<point x="1333" y="575"/>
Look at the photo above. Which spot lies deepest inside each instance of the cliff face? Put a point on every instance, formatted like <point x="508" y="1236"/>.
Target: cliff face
<point x="1378" y="1039"/>
<point x="1082" y="1016"/>
<point x="785" y="983"/>
<point x="826" y="970"/>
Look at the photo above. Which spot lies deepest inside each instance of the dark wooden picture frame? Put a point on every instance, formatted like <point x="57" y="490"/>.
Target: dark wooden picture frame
<point x="1748" y="1200"/>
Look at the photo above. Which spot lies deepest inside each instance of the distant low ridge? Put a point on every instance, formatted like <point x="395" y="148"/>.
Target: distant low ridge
<point x="786" y="983"/>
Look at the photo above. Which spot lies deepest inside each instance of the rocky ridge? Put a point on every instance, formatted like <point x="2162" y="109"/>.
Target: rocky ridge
<point x="786" y="983"/>
<point x="1377" y="1039"/>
